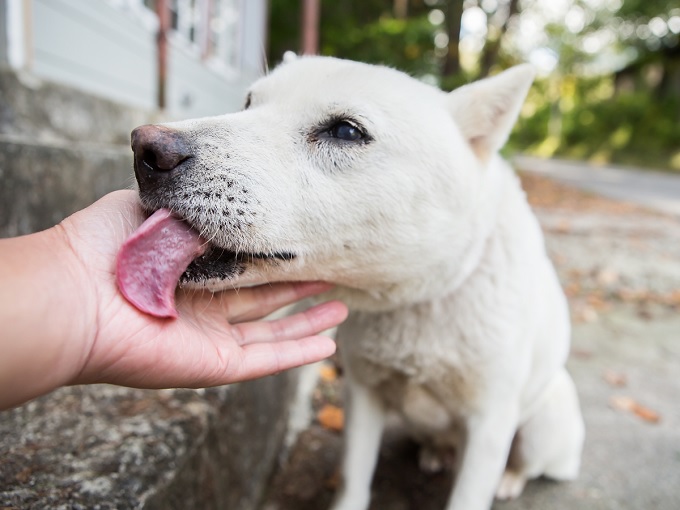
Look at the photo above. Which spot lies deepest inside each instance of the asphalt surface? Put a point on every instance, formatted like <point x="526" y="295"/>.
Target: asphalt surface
<point x="656" y="190"/>
<point x="620" y="266"/>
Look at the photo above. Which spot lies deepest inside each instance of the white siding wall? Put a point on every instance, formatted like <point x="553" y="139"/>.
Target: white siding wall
<point x="110" y="52"/>
<point x="195" y="90"/>
<point x="95" y="47"/>
<point x="254" y="34"/>
<point x="4" y="46"/>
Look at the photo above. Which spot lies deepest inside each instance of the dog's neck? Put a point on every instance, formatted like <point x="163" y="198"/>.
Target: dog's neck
<point x="489" y="196"/>
<point x="407" y="292"/>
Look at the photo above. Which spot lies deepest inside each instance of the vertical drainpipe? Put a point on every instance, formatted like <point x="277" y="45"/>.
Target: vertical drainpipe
<point x="19" y="25"/>
<point x="206" y="13"/>
<point x="311" y="13"/>
<point x="163" y="14"/>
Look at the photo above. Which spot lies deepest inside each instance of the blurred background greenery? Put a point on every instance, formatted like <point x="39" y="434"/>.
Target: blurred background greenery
<point x="608" y="89"/>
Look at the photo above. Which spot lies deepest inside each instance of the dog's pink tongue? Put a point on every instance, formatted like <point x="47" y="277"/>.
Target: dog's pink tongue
<point x="153" y="258"/>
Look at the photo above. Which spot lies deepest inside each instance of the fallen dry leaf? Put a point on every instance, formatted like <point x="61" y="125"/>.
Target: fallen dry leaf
<point x="563" y="227"/>
<point x="572" y="290"/>
<point x="627" y="295"/>
<point x="607" y="277"/>
<point x="622" y="403"/>
<point x="331" y="417"/>
<point x="647" y="414"/>
<point x="328" y="373"/>
<point x="582" y="353"/>
<point x="674" y="298"/>
<point x="575" y="274"/>
<point x="584" y="313"/>
<point x="625" y="403"/>
<point x="597" y="302"/>
<point x="615" y="379"/>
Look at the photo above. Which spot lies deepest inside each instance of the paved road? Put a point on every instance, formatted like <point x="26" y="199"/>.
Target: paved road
<point x="656" y="190"/>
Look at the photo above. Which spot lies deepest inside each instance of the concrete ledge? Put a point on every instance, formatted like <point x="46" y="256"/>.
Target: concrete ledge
<point x="107" y="447"/>
<point x="44" y="112"/>
<point x="42" y="184"/>
<point x="60" y="150"/>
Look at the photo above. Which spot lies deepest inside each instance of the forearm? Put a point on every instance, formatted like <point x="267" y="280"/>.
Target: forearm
<point x="44" y="315"/>
<point x="63" y="320"/>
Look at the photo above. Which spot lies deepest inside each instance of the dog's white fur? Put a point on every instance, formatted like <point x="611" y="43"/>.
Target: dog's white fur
<point x="458" y="321"/>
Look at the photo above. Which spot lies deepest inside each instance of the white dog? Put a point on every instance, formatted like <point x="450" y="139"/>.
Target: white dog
<point x="393" y="190"/>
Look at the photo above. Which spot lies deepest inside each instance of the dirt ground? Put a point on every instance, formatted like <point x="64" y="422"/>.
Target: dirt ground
<point x="620" y="267"/>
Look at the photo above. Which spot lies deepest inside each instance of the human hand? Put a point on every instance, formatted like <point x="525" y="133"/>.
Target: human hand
<point x="217" y="339"/>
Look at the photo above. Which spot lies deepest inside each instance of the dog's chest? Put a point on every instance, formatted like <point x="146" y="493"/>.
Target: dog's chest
<point x="421" y="358"/>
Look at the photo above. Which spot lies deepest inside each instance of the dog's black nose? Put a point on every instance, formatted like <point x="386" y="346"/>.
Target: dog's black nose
<point x="158" y="150"/>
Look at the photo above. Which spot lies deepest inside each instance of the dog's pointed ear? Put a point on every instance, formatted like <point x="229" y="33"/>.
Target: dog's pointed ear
<point x="290" y="56"/>
<point x="486" y="110"/>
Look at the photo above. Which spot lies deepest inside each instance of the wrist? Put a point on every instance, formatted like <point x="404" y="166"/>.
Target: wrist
<point x="74" y="285"/>
<point x="46" y="305"/>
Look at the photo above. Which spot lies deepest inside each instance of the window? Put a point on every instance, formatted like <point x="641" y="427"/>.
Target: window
<point x="185" y="18"/>
<point x="209" y="28"/>
<point x="224" y="33"/>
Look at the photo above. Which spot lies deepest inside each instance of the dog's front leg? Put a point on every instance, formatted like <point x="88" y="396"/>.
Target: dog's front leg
<point x="365" y="421"/>
<point x="485" y="453"/>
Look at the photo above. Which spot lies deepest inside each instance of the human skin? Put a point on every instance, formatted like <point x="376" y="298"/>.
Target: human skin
<point x="65" y="322"/>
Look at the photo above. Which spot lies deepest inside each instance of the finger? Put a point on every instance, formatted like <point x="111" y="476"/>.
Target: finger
<point x="252" y="303"/>
<point x="119" y="211"/>
<point x="310" y="322"/>
<point x="263" y="359"/>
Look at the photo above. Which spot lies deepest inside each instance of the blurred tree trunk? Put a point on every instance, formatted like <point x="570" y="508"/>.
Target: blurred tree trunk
<point x="493" y="46"/>
<point x="400" y="9"/>
<point x="454" y="13"/>
<point x="311" y="15"/>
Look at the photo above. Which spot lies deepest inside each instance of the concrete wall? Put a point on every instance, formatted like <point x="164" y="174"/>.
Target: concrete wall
<point x="60" y="150"/>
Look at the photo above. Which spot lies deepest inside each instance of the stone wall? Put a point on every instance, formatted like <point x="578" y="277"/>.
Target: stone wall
<point x="104" y="446"/>
<point x="108" y="447"/>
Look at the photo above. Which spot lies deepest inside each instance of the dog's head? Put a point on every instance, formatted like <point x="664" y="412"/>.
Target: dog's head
<point x="334" y="170"/>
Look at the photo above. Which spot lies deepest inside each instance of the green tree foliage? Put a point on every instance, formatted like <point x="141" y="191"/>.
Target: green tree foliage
<point x="651" y="29"/>
<point x="364" y="30"/>
<point x="598" y="124"/>
<point x="401" y="43"/>
<point x="613" y="93"/>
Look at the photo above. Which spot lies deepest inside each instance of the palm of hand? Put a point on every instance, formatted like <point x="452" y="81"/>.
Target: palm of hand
<point x="217" y="338"/>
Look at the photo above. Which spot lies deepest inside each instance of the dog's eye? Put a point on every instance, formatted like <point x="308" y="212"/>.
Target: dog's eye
<point x="345" y="131"/>
<point x="249" y="100"/>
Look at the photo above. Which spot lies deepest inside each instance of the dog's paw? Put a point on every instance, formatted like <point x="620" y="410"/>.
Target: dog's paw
<point x="511" y="486"/>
